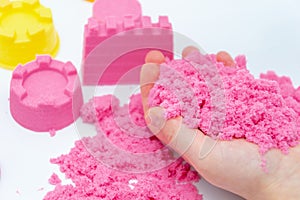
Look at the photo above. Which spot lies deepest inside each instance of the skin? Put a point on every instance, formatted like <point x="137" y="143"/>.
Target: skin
<point x="224" y="57"/>
<point x="231" y="165"/>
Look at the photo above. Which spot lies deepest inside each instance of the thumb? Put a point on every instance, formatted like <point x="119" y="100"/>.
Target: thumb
<point x="192" y="144"/>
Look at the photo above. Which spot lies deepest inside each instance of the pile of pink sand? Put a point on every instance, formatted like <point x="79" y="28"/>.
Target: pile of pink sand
<point x="229" y="102"/>
<point x="124" y="160"/>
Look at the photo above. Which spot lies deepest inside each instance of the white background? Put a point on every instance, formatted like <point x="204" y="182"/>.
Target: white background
<point x="268" y="32"/>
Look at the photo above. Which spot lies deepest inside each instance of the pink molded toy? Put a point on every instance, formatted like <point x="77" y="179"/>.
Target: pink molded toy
<point x="45" y="94"/>
<point x="117" y="39"/>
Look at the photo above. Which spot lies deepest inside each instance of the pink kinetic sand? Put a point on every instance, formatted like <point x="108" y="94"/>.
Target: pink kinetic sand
<point x="45" y="95"/>
<point x="117" y="39"/>
<point x="229" y="101"/>
<point x="54" y="179"/>
<point x="98" y="172"/>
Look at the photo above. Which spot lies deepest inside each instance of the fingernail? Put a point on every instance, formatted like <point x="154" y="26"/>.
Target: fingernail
<point x="188" y="50"/>
<point x="225" y="58"/>
<point x="207" y="147"/>
<point x="155" y="119"/>
<point x="155" y="57"/>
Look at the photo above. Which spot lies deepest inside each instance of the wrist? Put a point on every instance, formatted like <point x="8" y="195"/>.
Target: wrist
<point x="287" y="188"/>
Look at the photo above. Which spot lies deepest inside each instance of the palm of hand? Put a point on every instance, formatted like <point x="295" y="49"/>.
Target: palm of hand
<point x="232" y="165"/>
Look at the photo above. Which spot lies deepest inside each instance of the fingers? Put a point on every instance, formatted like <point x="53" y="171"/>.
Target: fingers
<point x="188" y="50"/>
<point x="150" y="72"/>
<point x="155" y="57"/>
<point x="164" y="129"/>
<point x="185" y="141"/>
<point x="171" y="132"/>
<point x="192" y="144"/>
<point x="149" y="75"/>
<point x="221" y="56"/>
<point x="225" y="58"/>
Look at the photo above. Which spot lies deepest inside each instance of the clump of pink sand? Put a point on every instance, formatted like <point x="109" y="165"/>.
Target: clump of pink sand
<point x="123" y="161"/>
<point x="54" y="179"/>
<point x="229" y="102"/>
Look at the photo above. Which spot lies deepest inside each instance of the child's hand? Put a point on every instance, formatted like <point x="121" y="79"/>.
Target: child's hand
<point x="232" y="165"/>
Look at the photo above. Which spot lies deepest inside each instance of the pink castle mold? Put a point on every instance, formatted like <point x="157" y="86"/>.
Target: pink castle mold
<point x="125" y="37"/>
<point x="45" y="94"/>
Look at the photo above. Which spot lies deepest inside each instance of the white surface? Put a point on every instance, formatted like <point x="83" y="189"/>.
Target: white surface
<point x="268" y="32"/>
